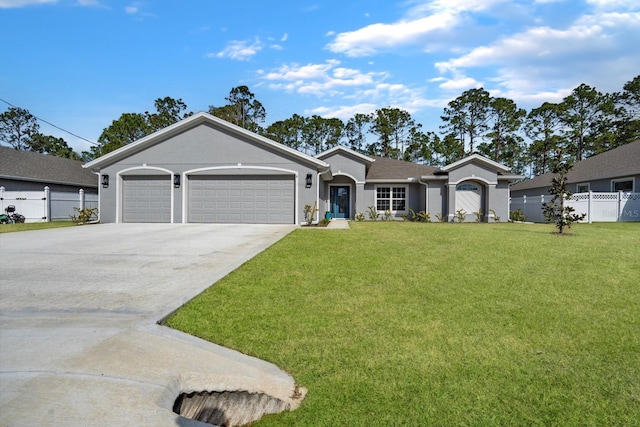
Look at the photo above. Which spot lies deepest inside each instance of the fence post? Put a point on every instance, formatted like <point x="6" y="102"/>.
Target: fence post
<point x="47" y="204"/>
<point x="81" y="193"/>
<point x="619" y="206"/>
<point x="524" y="207"/>
<point x="589" y="206"/>
<point x="1" y="199"/>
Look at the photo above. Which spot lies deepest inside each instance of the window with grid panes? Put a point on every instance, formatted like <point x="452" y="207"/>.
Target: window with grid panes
<point x="391" y="198"/>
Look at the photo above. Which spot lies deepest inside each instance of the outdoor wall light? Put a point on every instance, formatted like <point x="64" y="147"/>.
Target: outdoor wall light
<point x="308" y="181"/>
<point x="176" y="181"/>
<point x="105" y="181"/>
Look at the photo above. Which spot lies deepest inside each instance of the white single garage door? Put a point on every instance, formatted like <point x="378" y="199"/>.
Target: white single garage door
<point x="146" y="198"/>
<point x="242" y="199"/>
<point x="469" y="197"/>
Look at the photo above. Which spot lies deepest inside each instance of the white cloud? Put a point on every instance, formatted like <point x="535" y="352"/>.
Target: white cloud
<point x="284" y="37"/>
<point x="545" y="64"/>
<point x="240" y="50"/>
<point x="324" y="79"/>
<point x="131" y="10"/>
<point x="9" y="4"/>
<point x="368" y="40"/>
<point x="421" y="20"/>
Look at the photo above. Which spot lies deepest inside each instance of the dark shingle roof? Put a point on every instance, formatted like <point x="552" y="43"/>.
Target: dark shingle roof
<point x="385" y="168"/>
<point x="31" y="166"/>
<point x="619" y="162"/>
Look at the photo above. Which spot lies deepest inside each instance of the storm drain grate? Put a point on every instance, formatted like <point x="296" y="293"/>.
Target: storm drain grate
<point x="227" y="408"/>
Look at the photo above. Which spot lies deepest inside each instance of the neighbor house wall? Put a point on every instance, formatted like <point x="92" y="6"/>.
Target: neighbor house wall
<point x="23" y="185"/>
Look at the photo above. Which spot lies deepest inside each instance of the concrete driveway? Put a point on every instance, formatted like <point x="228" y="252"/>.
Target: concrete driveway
<point x="79" y="340"/>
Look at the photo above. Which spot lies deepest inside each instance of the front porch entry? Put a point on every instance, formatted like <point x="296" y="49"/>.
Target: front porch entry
<point x="339" y="197"/>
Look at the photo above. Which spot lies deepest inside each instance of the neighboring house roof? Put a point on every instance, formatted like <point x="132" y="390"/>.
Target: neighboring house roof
<point x="390" y="169"/>
<point x="192" y="121"/>
<point x="32" y="166"/>
<point x="620" y="162"/>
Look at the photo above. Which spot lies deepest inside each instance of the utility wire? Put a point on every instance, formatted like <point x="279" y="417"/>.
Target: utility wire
<point x="51" y="124"/>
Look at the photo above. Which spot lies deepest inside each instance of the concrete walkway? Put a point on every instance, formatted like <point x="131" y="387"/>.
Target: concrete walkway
<point x="79" y="343"/>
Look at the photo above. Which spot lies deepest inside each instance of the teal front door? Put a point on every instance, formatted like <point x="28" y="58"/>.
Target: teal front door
<point x="339" y="196"/>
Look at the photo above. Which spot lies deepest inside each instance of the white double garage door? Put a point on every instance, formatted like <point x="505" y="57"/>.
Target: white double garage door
<point x="253" y="199"/>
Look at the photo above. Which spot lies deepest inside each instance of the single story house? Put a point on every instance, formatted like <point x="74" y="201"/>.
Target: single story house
<point x="204" y="169"/>
<point x="614" y="170"/>
<point x="31" y="171"/>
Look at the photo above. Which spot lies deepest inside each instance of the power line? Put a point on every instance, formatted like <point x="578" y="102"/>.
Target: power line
<point x="51" y="124"/>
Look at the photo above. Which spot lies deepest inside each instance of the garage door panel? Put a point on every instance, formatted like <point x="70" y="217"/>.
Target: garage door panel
<point x="146" y="199"/>
<point x="247" y="199"/>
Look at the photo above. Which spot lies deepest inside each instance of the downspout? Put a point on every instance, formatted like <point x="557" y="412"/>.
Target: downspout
<point x="426" y="194"/>
<point x="318" y="192"/>
<point x="99" y="199"/>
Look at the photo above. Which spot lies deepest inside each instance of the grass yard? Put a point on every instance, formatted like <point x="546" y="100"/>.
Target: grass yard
<point x="412" y="324"/>
<point x="10" y="228"/>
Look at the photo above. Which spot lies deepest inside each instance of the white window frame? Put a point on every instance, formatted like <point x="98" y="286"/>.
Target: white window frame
<point x="630" y="178"/>
<point x="391" y="198"/>
<point x="582" y="184"/>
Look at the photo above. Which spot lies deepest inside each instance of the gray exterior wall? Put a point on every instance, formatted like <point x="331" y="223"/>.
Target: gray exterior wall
<point x="205" y="146"/>
<point x="343" y="163"/>
<point x="472" y="172"/>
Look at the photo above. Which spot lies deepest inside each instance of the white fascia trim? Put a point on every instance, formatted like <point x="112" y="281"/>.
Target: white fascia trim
<point x="434" y="178"/>
<point x="346" y="150"/>
<point x="392" y="181"/>
<point x="119" y="193"/>
<point x="239" y="166"/>
<point x="348" y="176"/>
<point x="509" y="177"/>
<point x="478" y="158"/>
<point x="203" y="117"/>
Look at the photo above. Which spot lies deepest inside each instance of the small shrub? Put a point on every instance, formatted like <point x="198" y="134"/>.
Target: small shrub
<point x="440" y="217"/>
<point x="424" y="216"/>
<point x="359" y="216"/>
<point x="478" y="215"/>
<point x="461" y="215"/>
<point x="310" y="212"/>
<point x="84" y="215"/>
<point x="372" y="213"/>
<point x="496" y="218"/>
<point x="388" y="216"/>
<point x="516" y="215"/>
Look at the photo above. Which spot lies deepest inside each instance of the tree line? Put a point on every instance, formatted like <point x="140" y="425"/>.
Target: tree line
<point x="584" y="123"/>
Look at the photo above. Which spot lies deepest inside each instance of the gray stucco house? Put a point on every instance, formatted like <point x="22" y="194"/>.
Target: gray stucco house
<point x="204" y="169"/>
<point x="611" y="171"/>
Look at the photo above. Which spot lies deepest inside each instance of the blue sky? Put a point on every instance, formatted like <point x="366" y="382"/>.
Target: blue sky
<point x="81" y="63"/>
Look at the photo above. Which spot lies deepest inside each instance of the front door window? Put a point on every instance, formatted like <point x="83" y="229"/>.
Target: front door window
<point x="340" y="201"/>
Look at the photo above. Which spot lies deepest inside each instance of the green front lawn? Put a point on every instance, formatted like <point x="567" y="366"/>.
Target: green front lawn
<point x="9" y="228"/>
<point x="441" y="324"/>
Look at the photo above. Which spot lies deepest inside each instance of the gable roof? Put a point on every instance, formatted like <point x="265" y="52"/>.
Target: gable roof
<point x="348" y="151"/>
<point x="476" y="158"/>
<point x="390" y="169"/>
<point x="193" y="121"/>
<point x="32" y="166"/>
<point x="618" y="162"/>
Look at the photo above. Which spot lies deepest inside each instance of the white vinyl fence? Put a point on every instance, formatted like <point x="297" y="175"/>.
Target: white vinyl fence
<point x="47" y="205"/>
<point x="599" y="207"/>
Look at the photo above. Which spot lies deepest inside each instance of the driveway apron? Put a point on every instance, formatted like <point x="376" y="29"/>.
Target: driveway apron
<point x="79" y="339"/>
